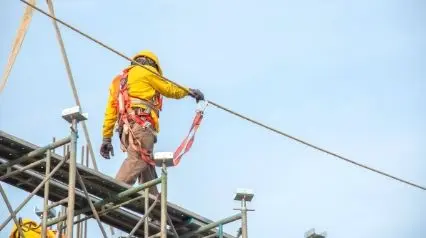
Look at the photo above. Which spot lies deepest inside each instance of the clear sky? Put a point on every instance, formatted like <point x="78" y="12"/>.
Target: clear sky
<point x="346" y="75"/>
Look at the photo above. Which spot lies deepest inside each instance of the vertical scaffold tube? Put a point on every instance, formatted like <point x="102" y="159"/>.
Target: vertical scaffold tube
<point x="163" y="230"/>
<point x="146" y="224"/>
<point x="244" y="218"/>
<point x="46" y="196"/>
<point x="72" y="178"/>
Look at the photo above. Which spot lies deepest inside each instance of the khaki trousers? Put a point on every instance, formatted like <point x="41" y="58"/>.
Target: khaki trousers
<point x="133" y="167"/>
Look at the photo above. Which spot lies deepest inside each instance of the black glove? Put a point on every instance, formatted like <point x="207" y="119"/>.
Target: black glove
<point x="106" y="148"/>
<point x="197" y="94"/>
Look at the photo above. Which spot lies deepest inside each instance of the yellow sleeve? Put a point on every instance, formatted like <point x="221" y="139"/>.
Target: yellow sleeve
<point x="111" y="110"/>
<point x="164" y="87"/>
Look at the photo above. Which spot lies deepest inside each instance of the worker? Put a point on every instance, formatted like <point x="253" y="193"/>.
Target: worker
<point x="134" y="110"/>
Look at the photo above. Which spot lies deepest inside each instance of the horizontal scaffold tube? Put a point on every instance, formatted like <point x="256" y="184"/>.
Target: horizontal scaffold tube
<point x="212" y="225"/>
<point x="23" y="169"/>
<point x="116" y="198"/>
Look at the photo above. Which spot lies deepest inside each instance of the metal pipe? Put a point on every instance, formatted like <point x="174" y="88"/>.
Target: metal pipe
<point x="212" y="225"/>
<point x="244" y="218"/>
<point x="143" y="218"/>
<point x="34" y="191"/>
<point x="210" y="236"/>
<point x="169" y="220"/>
<point x="139" y="188"/>
<point x="146" y="225"/>
<point x="59" y="226"/>
<point x="53" y="140"/>
<point x="36" y="152"/>
<point x="163" y="229"/>
<point x="85" y="229"/>
<point x="103" y="212"/>
<point x="156" y="235"/>
<point x="79" y="225"/>
<point x="23" y="169"/>
<point x="220" y="231"/>
<point x="12" y="213"/>
<point x="71" y="179"/>
<point x="115" y="198"/>
<point x="244" y="225"/>
<point x="78" y="230"/>
<point x="55" y="204"/>
<point x="87" y="165"/>
<point x="46" y="196"/>
<point x="95" y="213"/>
<point x="61" y="212"/>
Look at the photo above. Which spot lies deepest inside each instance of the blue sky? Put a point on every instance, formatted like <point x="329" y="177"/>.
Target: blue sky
<point x="346" y="75"/>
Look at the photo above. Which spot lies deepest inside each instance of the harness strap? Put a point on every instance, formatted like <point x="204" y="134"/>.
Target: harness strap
<point x="126" y="113"/>
<point x="145" y="120"/>
<point x="147" y="103"/>
<point x="136" y="144"/>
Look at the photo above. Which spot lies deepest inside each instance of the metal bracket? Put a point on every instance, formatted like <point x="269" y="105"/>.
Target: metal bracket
<point x="74" y="113"/>
<point x="244" y="194"/>
<point x="51" y="213"/>
<point x="164" y="157"/>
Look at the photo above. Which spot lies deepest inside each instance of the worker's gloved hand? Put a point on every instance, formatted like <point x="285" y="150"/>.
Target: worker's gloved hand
<point x="197" y="94"/>
<point x="106" y="148"/>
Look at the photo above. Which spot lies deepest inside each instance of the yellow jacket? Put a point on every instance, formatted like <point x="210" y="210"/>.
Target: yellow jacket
<point x="142" y="84"/>
<point x="31" y="230"/>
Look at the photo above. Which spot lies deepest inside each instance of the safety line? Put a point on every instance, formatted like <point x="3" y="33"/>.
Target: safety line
<point x="229" y="110"/>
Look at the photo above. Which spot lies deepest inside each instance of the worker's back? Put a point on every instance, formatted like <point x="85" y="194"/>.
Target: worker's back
<point x="142" y="84"/>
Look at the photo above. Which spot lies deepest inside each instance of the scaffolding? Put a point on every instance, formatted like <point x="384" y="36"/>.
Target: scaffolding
<point x="85" y="193"/>
<point x="89" y="193"/>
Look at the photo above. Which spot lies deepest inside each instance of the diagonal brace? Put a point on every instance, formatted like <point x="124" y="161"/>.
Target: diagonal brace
<point x="142" y="220"/>
<point x="13" y="214"/>
<point x="47" y="178"/>
<point x="115" y="198"/>
<point x="95" y="213"/>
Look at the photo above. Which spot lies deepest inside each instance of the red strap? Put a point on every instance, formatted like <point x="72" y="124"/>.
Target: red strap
<point x="124" y="116"/>
<point x="143" y="152"/>
<point x="186" y="144"/>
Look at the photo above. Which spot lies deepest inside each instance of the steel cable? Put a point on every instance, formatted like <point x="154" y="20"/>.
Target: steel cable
<point x="231" y="111"/>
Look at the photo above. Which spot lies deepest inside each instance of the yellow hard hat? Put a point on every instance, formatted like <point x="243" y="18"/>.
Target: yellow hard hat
<point x="150" y="55"/>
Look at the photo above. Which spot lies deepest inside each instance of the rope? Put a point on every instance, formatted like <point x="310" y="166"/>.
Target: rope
<point x="231" y="111"/>
<point x="19" y="39"/>
<point x="71" y="80"/>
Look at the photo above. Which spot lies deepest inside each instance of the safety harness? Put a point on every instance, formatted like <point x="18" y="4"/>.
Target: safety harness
<point x="126" y="114"/>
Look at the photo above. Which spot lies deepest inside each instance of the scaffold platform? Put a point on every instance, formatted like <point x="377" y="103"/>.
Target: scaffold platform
<point x="98" y="185"/>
